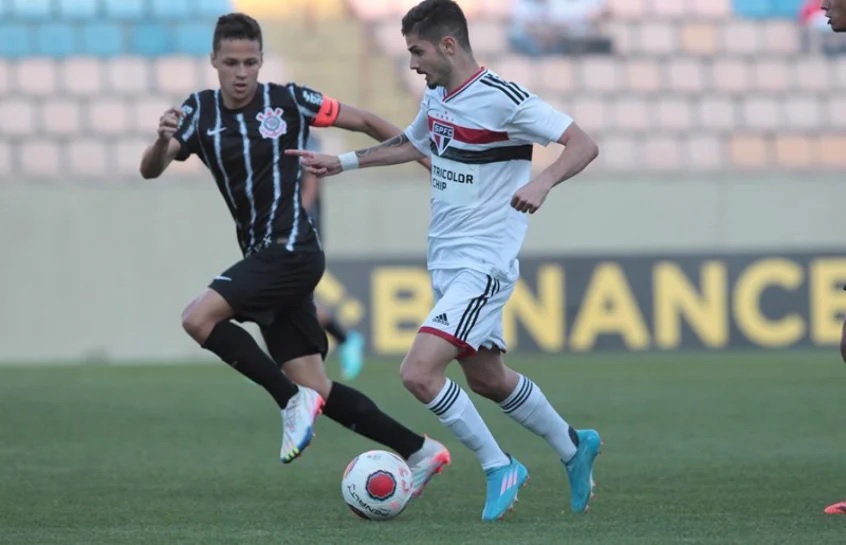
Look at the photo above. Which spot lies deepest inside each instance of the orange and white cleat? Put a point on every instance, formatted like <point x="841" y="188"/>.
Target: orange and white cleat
<point x="426" y="463"/>
<point x="836" y="509"/>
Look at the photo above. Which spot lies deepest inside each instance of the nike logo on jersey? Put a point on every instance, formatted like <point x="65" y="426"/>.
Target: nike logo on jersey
<point x="223" y="278"/>
<point x="212" y="132"/>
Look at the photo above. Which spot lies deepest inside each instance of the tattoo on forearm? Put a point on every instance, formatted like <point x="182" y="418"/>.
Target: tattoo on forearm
<point x="394" y="142"/>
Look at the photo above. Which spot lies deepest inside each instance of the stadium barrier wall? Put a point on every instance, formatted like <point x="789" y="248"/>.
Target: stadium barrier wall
<point x="102" y="272"/>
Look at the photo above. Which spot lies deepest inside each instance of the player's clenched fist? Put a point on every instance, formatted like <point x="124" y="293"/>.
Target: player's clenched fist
<point x="530" y="197"/>
<point x="169" y="122"/>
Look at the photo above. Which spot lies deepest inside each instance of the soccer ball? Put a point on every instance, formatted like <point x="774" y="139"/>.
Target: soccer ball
<point x="377" y="485"/>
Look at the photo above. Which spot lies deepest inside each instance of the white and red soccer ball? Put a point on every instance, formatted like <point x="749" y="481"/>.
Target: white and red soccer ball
<point x="377" y="485"/>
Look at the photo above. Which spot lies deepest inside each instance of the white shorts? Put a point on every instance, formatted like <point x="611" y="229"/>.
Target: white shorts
<point x="468" y="309"/>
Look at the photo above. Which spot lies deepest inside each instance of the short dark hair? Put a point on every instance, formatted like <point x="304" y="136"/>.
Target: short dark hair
<point x="236" y="26"/>
<point x="434" y="19"/>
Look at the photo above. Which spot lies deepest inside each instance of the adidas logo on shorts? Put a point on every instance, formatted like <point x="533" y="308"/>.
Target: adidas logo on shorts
<point x="441" y="319"/>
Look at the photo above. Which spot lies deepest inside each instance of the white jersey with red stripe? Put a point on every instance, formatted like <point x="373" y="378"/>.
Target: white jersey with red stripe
<point x="480" y="139"/>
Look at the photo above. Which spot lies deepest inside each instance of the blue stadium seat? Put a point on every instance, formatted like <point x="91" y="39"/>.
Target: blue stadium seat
<point x="78" y="9"/>
<point x="15" y="40"/>
<point x="55" y="40"/>
<point x="102" y="39"/>
<point x="767" y="9"/>
<point x="32" y="9"/>
<point x="194" y="38"/>
<point x="126" y="9"/>
<point x="151" y="40"/>
<point x="179" y="10"/>
<point x="211" y="9"/>
<point x="787" y="9"/>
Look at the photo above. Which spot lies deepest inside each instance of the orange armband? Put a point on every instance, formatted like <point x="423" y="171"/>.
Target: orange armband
<point x="328" y="113"/>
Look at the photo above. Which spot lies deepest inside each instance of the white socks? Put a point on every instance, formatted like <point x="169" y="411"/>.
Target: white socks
<point x="528" y="406"/>
<point x="454" y="409"/>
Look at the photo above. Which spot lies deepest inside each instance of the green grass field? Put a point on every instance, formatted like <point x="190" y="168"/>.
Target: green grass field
<point x="737" y="448"/>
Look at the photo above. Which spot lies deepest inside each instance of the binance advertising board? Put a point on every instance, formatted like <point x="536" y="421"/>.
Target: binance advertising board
<point x="585" y="303"/>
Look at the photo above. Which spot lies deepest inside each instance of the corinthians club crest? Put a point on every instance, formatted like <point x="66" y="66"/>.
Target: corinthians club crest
<point x="272" y="123"/>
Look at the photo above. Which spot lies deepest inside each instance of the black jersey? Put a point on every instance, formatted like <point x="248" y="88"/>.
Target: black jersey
<point x="244" y="149"/>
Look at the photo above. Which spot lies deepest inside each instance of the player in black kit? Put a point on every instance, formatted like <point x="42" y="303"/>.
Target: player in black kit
<point x="240" y="132"/>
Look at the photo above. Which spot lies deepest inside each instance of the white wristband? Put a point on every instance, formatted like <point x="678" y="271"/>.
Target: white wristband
<point x="349" y="161"/>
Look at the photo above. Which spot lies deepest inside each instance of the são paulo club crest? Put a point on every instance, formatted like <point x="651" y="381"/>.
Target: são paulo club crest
<point x="272" y="123"/>
<point x="442" y="134"/>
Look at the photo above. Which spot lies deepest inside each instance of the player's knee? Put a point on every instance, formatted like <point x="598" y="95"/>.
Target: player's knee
<point x="484" y="385"/>
<point x="417" y="377"/>
<point x="197" y="324"/>
<point x="843" y="343"/>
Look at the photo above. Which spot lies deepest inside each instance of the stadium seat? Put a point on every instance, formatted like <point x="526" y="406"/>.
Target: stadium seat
<point x="81" y="76"/>
<point x="18" y="115"/>
<point x="787" y="9"/>
<point x="78" y="9"/>
<point x="715" y="9"/>
<point x="56" y="40"/>
<point x="125" y="9"/>
<point x="211" y="9"/>
<point x="628" y="9"/>
<point x="176" y="10"/>
<point x="60" y="116"/>
<point x="128" y="75"/>
<point x="669" y="9"/>
<point x="5" y="77"/>
<point x="6" y="165"/>
<point x="150" y="40"/>
<point x="16" y="40"/>
<point x="176" y="74"/>
<point x="102" y="39"/>
<point x="37" y="76"/>
<point x="110" y="116"/>
<point x="699" y="38"/>
<point x="32" y="9"/>
<point x="193" y="38"/>
<point x="761" y="9"/>
<point x="40" y="158"/>
<point x="87" y="158"/>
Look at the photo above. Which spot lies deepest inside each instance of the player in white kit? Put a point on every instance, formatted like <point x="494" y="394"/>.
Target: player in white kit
<point x="478" y="130"/>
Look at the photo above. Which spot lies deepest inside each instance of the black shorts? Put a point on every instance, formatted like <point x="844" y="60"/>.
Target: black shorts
<point x="275" y="289"/>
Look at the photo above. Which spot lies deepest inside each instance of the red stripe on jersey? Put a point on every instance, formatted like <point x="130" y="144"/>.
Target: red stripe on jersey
<point x="471" y="136"/>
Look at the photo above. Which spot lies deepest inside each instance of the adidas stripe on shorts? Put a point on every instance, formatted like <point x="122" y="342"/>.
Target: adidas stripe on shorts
<point x="468" y="309"/>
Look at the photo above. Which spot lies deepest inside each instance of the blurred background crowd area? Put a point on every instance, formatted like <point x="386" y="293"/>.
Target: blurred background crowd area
<point x="666" y="86"/>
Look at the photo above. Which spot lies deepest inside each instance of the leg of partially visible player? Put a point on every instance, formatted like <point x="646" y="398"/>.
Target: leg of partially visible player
<point x="523" y="400"/>
<point x="350" y="343"/>
<point x="298" y="344"/>
<point x="843" y="342"/>
<point x="840" y="507"/>
<point x="207" y="321"/>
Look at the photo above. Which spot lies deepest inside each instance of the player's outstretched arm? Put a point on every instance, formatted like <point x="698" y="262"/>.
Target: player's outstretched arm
<point x="579" y="151"/>
<point x="160" y="153"/>
<point x="395" y="151"/>
<point x="374" y="126"/>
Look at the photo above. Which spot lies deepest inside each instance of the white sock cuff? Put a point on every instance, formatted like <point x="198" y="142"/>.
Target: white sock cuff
<point x="525" y="388"/>
<point x="449" y="399"/>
